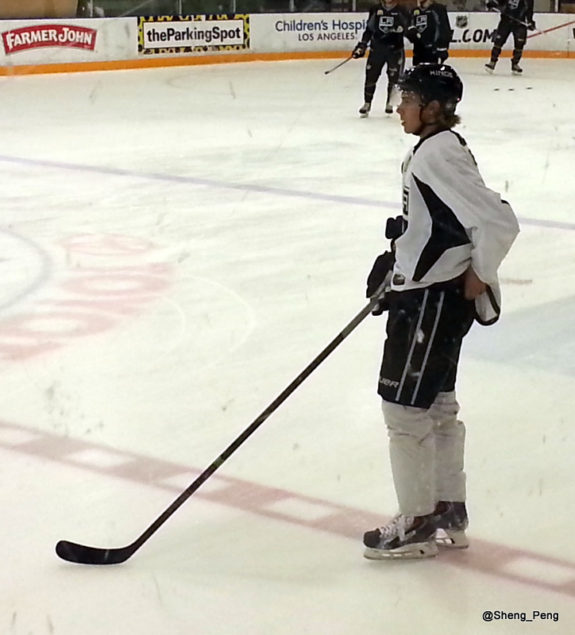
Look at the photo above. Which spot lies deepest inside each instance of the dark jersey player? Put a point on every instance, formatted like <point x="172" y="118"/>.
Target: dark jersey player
<point x="386" y="27"/>
<point x="430" y="32"/>
<point x="516" y="18"/>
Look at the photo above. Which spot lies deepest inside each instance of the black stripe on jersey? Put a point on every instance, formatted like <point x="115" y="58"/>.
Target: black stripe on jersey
<point x="446" y="230"/>
<point x="464" y="144"/>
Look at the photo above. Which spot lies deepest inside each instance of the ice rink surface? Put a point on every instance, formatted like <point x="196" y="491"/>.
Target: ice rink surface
<point x="177" y="245"/>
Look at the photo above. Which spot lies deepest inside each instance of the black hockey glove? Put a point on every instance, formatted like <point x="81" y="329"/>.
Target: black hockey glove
<point x="531" y="25"/>
<point x="359" y="50"/>
<point x="442" y="55"/>
<point x="380" y="273"/>
<point x="412" y="34"/>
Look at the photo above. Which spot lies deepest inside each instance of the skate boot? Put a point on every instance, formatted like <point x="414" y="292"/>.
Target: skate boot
<point x="451" y="522"/>
<point x="364" y="110"/>
<point x="490" y="66"/>
<point x="392" y="94"/>
<point x="402" y="538"/>
<point x="516" y="69"/>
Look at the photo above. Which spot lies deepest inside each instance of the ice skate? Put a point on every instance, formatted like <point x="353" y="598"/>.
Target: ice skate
<point x="490" y="67"/>
<point x="364" y="110"/>
<point x="388" y="108"/>
<point x="404" y="537"/>
<point x="516" y="69"/>
<point x="451" y="522"/>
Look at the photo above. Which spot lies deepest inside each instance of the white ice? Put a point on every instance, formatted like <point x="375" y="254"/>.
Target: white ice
<point x="177" y="245"/>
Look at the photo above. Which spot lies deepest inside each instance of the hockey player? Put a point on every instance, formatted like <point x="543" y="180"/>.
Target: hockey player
<point x="516" y="18"/>
<point x="386" y="27"/>
<point x="430" y="32"/>
<point x="448" y="245"/>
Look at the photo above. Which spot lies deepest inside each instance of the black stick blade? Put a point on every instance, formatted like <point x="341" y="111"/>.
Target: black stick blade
<point x="73" y="552"/>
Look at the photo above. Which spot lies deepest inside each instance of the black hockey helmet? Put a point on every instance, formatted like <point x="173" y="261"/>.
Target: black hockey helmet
<point x="433" y="81"/>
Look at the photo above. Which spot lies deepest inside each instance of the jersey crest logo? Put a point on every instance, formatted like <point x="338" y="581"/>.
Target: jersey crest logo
<point x="421" y="22"/>
<point x="386" y="23"/>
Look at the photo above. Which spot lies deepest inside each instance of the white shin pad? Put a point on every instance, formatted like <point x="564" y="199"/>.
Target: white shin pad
<point x="449" y="435"/>
<point x="412" y="454"/>
<point x="426" y="449"/>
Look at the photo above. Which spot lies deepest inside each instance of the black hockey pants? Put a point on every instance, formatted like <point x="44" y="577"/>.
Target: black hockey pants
<point x="424" y="54"/>
<point x="425" y="329"/>
<point x="380" y="56"/>
<point x="504" y="28"/>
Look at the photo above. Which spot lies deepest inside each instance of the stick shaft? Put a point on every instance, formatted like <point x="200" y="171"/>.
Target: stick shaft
<point x="553" y="28"/>
<point x="345" y="61"/>
<point x="258" y="421"/>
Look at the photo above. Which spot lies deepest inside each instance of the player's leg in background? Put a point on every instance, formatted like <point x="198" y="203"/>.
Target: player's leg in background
<point x="395" y="66"/>
<point x="501" y="34"/>
<point x="519" y="39"/>
<point x="373" y="68"/>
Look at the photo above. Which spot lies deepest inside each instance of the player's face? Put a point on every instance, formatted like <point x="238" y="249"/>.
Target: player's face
<point x="409" y="111"/>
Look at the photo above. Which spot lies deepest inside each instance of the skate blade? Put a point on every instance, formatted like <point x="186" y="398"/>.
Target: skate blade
<point x="363" y="115"/>
<point x="408" y="552"/>
<point x="451" y="539"/>
<point x="489" y="70"/>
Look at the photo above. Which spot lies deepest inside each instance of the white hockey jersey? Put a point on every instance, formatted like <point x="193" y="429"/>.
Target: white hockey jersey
<point x="452" y="221"/>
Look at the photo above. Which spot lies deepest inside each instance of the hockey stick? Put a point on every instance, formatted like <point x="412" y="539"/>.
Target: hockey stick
<point x="517" y="20"/>
<point x="81" y="554"/>
<point x="553" y="28"/>
<point x="513" y="19"/>
<point x="345" y="61"/>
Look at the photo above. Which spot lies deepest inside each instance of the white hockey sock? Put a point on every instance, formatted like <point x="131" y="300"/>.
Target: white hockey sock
<point x="412" y="454"/>
<point x="449" y="434"/>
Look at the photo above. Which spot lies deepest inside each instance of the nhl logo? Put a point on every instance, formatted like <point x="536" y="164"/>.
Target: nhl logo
<point x="461" y="21"/>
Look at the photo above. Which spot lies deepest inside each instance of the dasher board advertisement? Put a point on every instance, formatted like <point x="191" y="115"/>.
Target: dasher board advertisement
<point x="193" y="34"/>
<point x="341" y="31"/>
<point x="307" y="31"/>
<point x="30" y="42"/>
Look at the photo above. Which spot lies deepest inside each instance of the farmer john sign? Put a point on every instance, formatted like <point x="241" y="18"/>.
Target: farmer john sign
<point x="48" y="35"/>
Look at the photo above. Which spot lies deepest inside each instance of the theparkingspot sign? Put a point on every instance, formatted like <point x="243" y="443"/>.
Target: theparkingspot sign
<point x="188" y="34"/>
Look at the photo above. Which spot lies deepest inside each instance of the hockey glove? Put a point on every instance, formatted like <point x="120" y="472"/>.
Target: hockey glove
<point x="412" y="34"/>
<point x="531" y="25"/>
<point x="381" y="272"/>
<point x="359" y="50"/>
